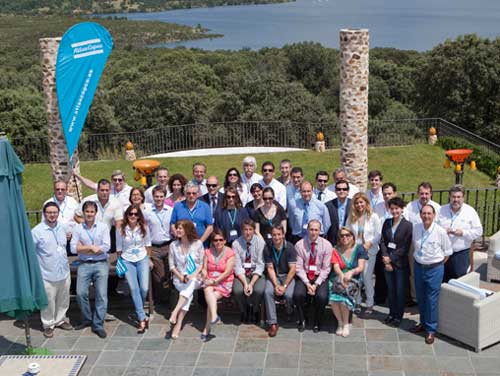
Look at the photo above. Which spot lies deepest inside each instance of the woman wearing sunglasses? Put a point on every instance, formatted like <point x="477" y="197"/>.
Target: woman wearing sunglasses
<point x="348" y="261"/>
<point x="233" y="179"/>
<point x="133" y="245"/>
<point x="269" y="215"/>
<point x="365" y="224"/>
<point x="218" y="268"/>
<point x="231" y="215"/>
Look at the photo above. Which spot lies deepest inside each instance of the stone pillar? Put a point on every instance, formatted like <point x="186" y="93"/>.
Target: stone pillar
<point x="59" y="158"/>
<point x="354" y="52"/>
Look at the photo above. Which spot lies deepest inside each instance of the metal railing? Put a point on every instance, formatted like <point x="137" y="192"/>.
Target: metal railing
<point x="229" y="134"/>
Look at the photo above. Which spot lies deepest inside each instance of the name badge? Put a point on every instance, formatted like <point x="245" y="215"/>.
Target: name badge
<point x="233" y="233"/>
<point x="313" y="268"/>
<point x="136" y="251"/>
<point x="392" y="245"/>
<point x="215" y="274"/>
<point x="247" y="265"/>
<point x="304" y="226"/>
<point x="269" y="236"/>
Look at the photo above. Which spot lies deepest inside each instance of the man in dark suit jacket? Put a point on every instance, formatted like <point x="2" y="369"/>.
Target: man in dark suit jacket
<point x="213" y="198"/>
<point x="337" y="208"/>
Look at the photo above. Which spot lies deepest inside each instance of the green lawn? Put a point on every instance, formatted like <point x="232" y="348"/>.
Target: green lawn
<point x="405" y="166"/>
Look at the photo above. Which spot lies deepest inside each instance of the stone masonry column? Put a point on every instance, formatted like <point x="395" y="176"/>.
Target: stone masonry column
<point x="354" y="52"/>
<point x="59" y="163"/>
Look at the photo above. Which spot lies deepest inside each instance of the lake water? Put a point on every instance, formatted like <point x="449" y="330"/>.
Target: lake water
<point x="403" y="24"/>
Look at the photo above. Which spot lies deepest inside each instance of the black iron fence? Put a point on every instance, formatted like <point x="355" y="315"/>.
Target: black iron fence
<point x="484" y="200"/>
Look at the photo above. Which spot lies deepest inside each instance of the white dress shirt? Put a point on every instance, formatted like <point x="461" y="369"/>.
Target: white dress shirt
<point x="370" y="230"/>
<point x="412" y="210"/>
<point x="148" y="195"/>
<point x="50" y="249"/>
<point x="279" y="191"/>
<point x="382" y="212"/>
<point x="133" y="244"/>
<point x="432" y="245"/>
<point x="67" y="210"/>
<point x="466" y="220"/>
<point x="109" y="214"/>
<point x="375" y="198"/>
<point x="159" y="223"/>
<point x="326" y="195"/>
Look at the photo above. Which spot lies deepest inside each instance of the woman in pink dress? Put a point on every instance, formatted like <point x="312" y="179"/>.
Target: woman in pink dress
<point x="218" y="269"/>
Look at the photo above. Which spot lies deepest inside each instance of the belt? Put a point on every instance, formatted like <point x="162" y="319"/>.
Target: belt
<point x="91" y="261"/>
<point x="159" y="245"/>
<point x="431" y="266"/>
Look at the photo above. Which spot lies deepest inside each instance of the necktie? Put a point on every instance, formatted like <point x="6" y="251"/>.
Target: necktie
<point x="248" y="260"/>
<point x="312" y="261"/>
<point x="214" y="204"/>
<point x="319" y="195"/>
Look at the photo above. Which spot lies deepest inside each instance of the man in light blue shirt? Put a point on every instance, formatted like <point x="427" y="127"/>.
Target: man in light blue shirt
<point x="306" y="209"/>
<point x="293" y="189"/>
<point x="50" y="240"/>
<point x="91" y="241"/>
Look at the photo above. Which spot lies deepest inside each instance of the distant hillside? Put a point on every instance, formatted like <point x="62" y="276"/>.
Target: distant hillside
<point x="113" y="6"/>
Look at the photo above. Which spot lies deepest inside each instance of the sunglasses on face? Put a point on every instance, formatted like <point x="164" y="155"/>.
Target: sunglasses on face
<point x="191" y="193"/>
<point x="218" y="240"/>
<point x="60" y="189"/>
<point x="211" y="185"/>
<point x="230" y="197"/>
<point x="322" y="180"/>
<point x="268" y="170"/>
<point x="117" y="179"/>
<point x="342" y="189"/>
<point x="134" y="214"/>
<point x="268" y="198"/>
<point x="232" y="174"/>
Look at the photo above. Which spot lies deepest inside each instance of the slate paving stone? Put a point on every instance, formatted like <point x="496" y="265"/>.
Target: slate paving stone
<point x="282" y="361"/>
<point x="114" y="358"/>
<point x="199" y="371"/>
<point x="126" y="330"/>
<point x="186" y="344"/>
<point x="219" y="345"/>
<point x="175" y="371"/>
<point x="454" y="364"/>
<point x="351" y="348"/>
<point x="180" y="359"/>
<point x="156" y="331"/>
<point x="277" y="345"/>
<point x="419" y="363"/>
<point x="310" y="361"/>
<point x="60" y="343"/>
<point x="313" y="347"/>
<point x="154" y="344"/>
<point x="142" y="371"/>
<point x="147" y="358"/>
<point x="384" y="363"/>
<point x="248" y="359"/>
<point x="442" y="348"/>
<point x="349" y="363"/>
<point x="107" y="371"/>
<point x="382" y="348"/>
<point x="245" y="371"/>
<point x="486" y="364"/>
<point x="213" y="360"/>
<point x="315" y="372"/>
<point x="357" y="335"/>
<point x="381" y="335"/>
<point x="416" y="348"/>
<point x="280" y="372"/>
<point x="90" y="344"/>
<point x="251" y="345"/>
<point x="121" y="344"/>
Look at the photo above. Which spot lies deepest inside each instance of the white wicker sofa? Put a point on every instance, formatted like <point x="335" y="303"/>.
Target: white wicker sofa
<point x="466" y="318"/>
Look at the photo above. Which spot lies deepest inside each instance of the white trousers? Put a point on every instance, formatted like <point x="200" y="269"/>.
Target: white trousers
<point x="368" y="279"/>
<point x="187" y="290"/>
<point x="58" y="298"/>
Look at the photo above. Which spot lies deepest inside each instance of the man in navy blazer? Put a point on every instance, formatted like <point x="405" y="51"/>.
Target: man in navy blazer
<point x="339" y="210"/>
<point x="213" y="198"/>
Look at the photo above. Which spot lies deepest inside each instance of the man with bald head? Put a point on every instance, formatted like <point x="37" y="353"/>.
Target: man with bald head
<point x="307" y="208"/>
<point x="213" y="197"/>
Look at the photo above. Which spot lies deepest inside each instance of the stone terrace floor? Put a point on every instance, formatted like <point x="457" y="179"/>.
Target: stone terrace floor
<point x="246" y="350"/>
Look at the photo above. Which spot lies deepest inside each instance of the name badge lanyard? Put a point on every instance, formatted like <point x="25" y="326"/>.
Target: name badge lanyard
<point x="232" y="219"/>
<point x="394" y="229"/>
<point x="54" y="232"/>
<point x="160" y="220"/>
<point x="277" y="257"/>
<point x="62" y="207"/>
<point x="425" y="236"/>
<point x="453" y="216"/>
<point x="373" y="199"/>
<point x="89" y="235"/>
<point x="193" y="212"/>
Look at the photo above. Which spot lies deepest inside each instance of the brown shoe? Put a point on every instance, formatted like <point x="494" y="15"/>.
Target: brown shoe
<point x="65" y="326"/>
<point x="429" y="338"/>
<point x="417" y="329"/>
<point x="273" y="330"/>
<point x="48" y="332"/>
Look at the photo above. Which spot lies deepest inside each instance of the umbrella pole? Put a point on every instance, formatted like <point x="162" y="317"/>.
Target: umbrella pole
<point x="27" y="333"/>
<point x="76" y="186"/>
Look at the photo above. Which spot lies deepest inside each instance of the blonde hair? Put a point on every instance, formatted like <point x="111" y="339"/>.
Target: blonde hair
<point x="353" y="215"/>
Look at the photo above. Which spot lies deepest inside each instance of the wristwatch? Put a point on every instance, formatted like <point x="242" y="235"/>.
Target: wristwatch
<point x="285" y="285"/>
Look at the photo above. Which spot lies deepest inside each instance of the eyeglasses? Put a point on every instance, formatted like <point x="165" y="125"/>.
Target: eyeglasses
<point x="342" y="189"/>
<point x="117" y="179"/>
<point x="191" y="193"/>
<point x="211" y="185"/>
<point x="232" y="174"/>
<point x="230" y="197"/>
<point x="322" y="180"/>
<point x="133" y="214"/>
<point x="218" y="240"/>
<point x="60" y="189"/>
<point x="268" y="198"/>
<point x="267" y="170"/>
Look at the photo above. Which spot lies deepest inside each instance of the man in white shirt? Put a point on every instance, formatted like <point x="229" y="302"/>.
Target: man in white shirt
<point x="268" y="180"/>
<point x="199" y="172"/>
<point x="158" y="220"/>
<point x="375" y="192"/>
<point x="412" y="214"/>
<point x="432" y="249"/>
<point x="463" y="226"/>
<point x="338" y="175"/>
<point x="119" y="190"/>
<point x="382" y="209"/>
<point x="67" y="207"/>
<point x="249" y="176"/>
<point x="161" y="181"/>
<point x="321" y="192"/>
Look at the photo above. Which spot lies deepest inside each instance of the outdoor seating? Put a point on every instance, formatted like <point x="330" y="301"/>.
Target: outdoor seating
<point x="466" y="318"/>
<point x="493" y="272"/>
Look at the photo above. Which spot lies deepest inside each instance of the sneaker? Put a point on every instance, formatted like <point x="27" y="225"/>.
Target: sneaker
<point x="65" y="326"/>
<point x="48" y="332"/>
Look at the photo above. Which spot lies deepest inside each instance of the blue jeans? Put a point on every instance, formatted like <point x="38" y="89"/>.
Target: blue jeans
<point x="427" y="286"/>
<point x="138" y="281"/>
<point x="98" y="274"/>
<point x="457" y="265"/>
<point x="396" y="291"/>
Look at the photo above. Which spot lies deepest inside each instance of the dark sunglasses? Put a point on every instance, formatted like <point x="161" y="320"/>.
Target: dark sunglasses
<point x="341" y="189"/>
<point x="268" y="170"/>
<point x="211" y="185"/>
<point x="134" y="214"/>
<point x="232" y="174"/>
<point x="322" y="180"/>
<point x="230" y="196"/>
<point x="117" y="179"/>
<point x="268" y="198"/>
<point x="218" y="240"/>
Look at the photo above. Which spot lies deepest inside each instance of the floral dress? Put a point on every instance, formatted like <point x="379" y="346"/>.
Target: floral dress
<point x="216" y="266"/>
<point x="338" y="293"/>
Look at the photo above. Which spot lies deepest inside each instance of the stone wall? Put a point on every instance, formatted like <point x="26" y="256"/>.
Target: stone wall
<point x="59" y="158"/>
<point x="354" y="72"/>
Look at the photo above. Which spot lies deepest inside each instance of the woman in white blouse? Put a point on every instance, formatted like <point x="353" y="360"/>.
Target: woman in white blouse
<point x="186" y="260"/>
<point x="366" y="226"/>
<point x="133" y="245"/>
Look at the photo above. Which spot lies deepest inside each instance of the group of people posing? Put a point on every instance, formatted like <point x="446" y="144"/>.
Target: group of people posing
<point x="259" y="240"/>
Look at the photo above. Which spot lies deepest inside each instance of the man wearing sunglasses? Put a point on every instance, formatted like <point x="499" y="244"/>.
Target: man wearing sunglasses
<point x="338" y="209"/>
<point x="268" y="180"/>
<point x="321" y="192"/>
<point x="338" y="175"/>
<point x="119" y="187"/>
<point x="213" y="197"/>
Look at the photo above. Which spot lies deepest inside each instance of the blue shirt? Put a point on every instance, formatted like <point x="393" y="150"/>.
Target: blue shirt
<point x="292" y="195"/>
<point x="341" y="212"/>
<point x="50" y="248"/>
<point x="159" y="223"/>
<point x="304" y="212"/>
<point x="200" y="215"/>
<point x="97" y="235"/>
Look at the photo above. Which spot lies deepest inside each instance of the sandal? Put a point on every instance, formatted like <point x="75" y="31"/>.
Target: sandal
<point x="340" y="328"/>
<point x="369" y="310"/>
